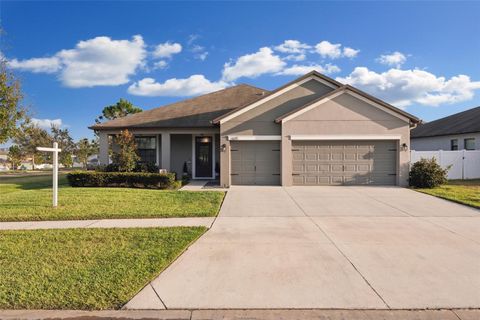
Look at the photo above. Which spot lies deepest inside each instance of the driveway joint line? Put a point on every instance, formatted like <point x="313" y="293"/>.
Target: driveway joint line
<point x="163" y="303"/>
<point x="385" y="203"/>
<point x="91" y="224"/>
<point x="338" y="249"/>
<point x="455" y="314"/>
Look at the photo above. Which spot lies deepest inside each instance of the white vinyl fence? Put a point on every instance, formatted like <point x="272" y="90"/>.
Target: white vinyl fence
<point x="464" y="164"/>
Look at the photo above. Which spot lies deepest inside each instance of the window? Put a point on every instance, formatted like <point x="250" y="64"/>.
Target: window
<point x="454" y="144"/>
<point x="147" y="149"/>
<point x="469" y="144"/>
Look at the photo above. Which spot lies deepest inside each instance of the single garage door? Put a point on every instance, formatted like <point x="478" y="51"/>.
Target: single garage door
<point x="255" y="162"/>
<point x="344" y="162"/>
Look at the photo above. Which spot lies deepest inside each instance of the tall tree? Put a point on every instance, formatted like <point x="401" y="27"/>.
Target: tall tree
<point x="31" y="137"/>
<point x="65" y="142"/>
<point x="12" y="113"/>
<point x="126" y="157"/>
<point x="120" y="109"/>
<point x="84" y="149"/>
<point x="15" y="156"/>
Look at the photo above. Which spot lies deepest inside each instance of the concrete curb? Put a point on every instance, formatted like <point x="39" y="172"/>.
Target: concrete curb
<point x="260" y="314"/>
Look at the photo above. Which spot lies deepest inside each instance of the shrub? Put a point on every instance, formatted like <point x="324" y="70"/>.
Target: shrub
<point x="122" y="179"/>
<point x="427" y="173"/>
<point x="112" y="167"/>
<point x="146" y="167"/>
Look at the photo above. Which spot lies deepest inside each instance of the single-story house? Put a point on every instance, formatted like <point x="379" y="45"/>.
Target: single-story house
<point x="310" y="131"/>
<point x="460" y="131"/>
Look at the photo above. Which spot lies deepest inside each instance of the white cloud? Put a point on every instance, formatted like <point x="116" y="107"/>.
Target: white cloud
<point x="100" y="61"/>
<point x="295" y="57"/>
<point x="199" y="52"/>
<point x="295" y="49"/>
<point x="201" y="56"/>
<point x="394" y="59"/>
<point x="405" y="87"/>
<point x="194" y="85"/>
<point x="47" y="123"/>
<point x="162" y="64"/>
<point x="253" y="65"/>
<point x="167" y="50"/>
<point x="330" y="50"/>
<point x="334" y="50"/>
<point x="298" y="70"/>
<point x="350" y="53"/>
<point x="36" y="65"/>
<point x="292" y="46"/>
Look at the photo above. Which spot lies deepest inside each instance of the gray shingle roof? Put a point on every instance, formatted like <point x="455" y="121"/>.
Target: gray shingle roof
<point x="191" y="113"/>
<point x="464" y="122"/>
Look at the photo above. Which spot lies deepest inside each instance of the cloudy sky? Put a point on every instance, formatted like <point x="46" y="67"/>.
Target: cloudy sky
<point x="74" y="58"/>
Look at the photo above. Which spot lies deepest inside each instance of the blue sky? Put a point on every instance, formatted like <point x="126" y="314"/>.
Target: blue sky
<point x="74" y="58"/>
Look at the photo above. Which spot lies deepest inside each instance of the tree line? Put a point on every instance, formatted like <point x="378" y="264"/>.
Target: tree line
<point x="16" y="126"/>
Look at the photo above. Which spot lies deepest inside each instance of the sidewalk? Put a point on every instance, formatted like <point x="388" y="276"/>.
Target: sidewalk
<point x="277" y="314"/>
<point x="109" y="223"/>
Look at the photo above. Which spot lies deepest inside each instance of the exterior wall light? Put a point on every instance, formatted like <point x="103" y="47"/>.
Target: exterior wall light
<point x="223" y="147"/>
<point x="404" y="147"/>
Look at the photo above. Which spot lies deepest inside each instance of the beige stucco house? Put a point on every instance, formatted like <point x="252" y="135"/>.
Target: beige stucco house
<point x="311" y="131"/>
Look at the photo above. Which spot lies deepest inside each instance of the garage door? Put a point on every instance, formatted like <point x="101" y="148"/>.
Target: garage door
<point x="344" y="162"/>
<point x="255" y="162"/>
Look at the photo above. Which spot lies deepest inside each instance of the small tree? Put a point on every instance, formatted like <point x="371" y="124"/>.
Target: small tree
<point x="31" y="137"/>
<point x="120" y="109"/>
<point x="12" y="113"/>
<point x="126" y="158"/>
<point x="427" y="173"/>
<point x="15" y="156"/>
<point x="65" y="142"/>
<point x="84" y="149"/>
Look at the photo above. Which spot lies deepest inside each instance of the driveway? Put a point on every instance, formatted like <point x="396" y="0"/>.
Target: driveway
<point x="329" y="247"/>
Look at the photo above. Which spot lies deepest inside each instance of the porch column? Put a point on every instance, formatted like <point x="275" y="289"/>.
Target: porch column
<point x="166" y="151"/>
<point x="103" y="148"/>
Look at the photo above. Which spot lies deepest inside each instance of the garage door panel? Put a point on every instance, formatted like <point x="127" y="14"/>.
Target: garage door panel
<point x="344" y="162"/>
<point x="256" y="162"/>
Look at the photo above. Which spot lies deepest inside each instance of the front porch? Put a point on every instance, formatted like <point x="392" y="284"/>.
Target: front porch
<point x="172" y="149"/>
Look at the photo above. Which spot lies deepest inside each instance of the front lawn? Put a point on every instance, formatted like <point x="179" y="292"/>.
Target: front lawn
<point x="29" y="198"/>
<point x="462" y="191"/>
<point x="84" y="268"/>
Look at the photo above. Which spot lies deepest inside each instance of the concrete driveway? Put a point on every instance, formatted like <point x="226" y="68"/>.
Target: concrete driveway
<point x="328" y="247"/>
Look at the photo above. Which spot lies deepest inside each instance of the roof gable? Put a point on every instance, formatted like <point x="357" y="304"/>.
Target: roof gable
<point x="314" y="75"/>
<point x="347" y="89"/>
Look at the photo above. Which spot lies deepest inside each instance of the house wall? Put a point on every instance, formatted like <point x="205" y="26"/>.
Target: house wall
<point x="181" y="151"/>
<point x="443" y="142"/>
<point x="261" y="120"/>
<point x="345" y="115"/>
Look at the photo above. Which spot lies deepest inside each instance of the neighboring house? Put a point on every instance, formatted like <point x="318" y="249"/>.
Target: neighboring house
<point x="311" y="131"/>
<point x="456" y="132"/>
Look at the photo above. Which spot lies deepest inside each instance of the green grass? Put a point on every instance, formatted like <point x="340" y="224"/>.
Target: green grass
<point x="29" y="198"/>
<point x="84" y="268"/>
<point x="462" y="191"/>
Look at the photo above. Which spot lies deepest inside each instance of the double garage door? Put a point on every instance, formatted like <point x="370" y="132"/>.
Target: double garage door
<point x="316" y="162"/>
<point x="344" y="162"/>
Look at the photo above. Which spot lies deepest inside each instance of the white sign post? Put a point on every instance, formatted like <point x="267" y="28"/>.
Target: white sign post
<point x="55" y="152"/>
